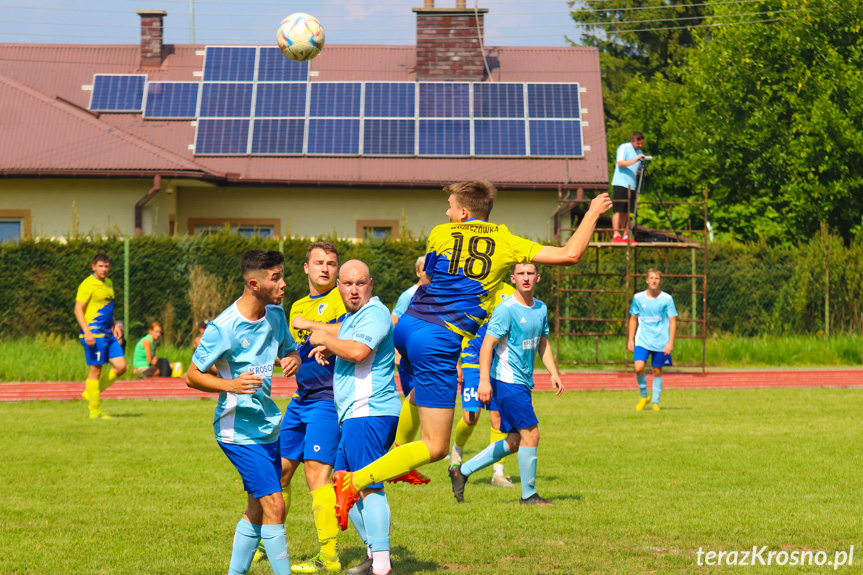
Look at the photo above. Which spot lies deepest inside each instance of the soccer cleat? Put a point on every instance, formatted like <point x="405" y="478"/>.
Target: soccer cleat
<point x="630" y="241"/>
<point x="535" y="499"/>
<point x="363" y="568"/>
<point x="455" y="455"/>
<point x="501" y="481"/>
<point x="655" y="407"/>
<point x="260" y="553"/>
<point x="458" y="482"/>
<point x="99" y="415"/>
<point x="618" y="240"/>
<point x="642" y="403"/>
<point x="320" y="563"/>
<point x="346" y="496"/>
<point x="413" y="477"/>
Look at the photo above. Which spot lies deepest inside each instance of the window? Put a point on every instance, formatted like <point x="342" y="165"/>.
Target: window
<point x="377" y="229"/>
<point x="14" y="225"/>
<point x="250" y="227"/>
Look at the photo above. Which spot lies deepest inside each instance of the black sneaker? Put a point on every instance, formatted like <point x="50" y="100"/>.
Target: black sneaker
<point x="363" y="568"/>
<point x="458" y="482"/>
<point x="534" y="499"/>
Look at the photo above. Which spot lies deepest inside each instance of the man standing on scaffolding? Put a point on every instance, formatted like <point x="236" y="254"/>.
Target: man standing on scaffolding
<point x="625" y="184"/>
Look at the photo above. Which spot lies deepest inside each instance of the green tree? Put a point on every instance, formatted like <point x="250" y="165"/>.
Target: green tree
<point x="769" y="115"/>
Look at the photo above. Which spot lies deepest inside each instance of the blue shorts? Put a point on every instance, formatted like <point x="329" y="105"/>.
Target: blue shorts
<point x="659" y="358"/>
<point x="310" y="431"/>
<point x="259" y="465"/>
<point x="365" y="439"/>
<point x="406" y="377"/>
<point x="432" y="352"/>
<point x="469" y="399"/>
<point x="515" y="406"/>
<point x="105" y="348"/>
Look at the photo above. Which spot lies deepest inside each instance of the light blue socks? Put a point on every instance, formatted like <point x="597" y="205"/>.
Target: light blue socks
<point x="488" y="456"/>
<point x="657" y="389"/>
<point x="642" y="384"/>
<point x="527" y="469"/>
<point x="377" y="519"/>
<point x="356" y="517"/>
<point x="276" y="544"/>
<point x="246" y="540"/>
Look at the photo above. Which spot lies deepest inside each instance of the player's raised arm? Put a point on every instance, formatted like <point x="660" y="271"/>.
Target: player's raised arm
<point x="569" y="254"/>
<point x="486" y="352"/>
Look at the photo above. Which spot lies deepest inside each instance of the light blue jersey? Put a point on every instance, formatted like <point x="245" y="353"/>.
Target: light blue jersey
<point x="404" y="301"/>
<point x="652" y="313"/>
<point x="368" y="388"/>
<point x="519" y="329"/>
<point x="235" y="344"/>
<point x="625" y="177"/>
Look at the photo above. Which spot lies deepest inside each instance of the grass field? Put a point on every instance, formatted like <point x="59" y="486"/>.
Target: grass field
<point x="51" y="358"/>
<point x="150" y="492"/>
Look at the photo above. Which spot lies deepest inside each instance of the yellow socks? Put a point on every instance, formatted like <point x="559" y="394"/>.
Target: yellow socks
<point x="323" y="502"/>
<point x="409" y="423"/>
<point x="397" y="462"/>
<point x="108" y="380"/>
<point x="495" y="437"/>
<point x="463" y="432"/>
<point x="93" y="396"/>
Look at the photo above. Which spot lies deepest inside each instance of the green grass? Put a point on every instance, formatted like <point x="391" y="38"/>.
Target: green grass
<point x="51" y="358"/>
<point x="150" y="491"/>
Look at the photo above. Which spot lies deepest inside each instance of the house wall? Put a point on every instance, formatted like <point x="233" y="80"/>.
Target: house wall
<point x="100" y="206"/>
<point x="314" y="212"/>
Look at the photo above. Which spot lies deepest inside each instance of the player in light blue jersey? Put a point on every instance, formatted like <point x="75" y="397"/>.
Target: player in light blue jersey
<point x="517" y="330"/>
<point x="243" y="344"/>
<point x="367" y="402"/>
<point x="653" y="313"/>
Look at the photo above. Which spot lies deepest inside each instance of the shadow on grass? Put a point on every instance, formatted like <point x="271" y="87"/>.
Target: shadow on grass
<point x="125" y="415"/>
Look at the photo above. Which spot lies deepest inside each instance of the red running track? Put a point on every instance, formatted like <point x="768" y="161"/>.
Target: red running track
<point x="166" y="388"/>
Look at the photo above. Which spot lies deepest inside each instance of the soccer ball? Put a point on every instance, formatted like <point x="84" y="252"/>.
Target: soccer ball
<point x="300" y="37"/>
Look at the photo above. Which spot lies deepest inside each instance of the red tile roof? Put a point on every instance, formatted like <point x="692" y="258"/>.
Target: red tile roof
<point x="34" y="76"/>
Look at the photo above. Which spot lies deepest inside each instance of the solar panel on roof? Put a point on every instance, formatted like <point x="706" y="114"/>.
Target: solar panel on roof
<point x="274" y="67"/>
<point x="335" y="99"/>
<point x="280" y="137"/>
<point x="390" y="100"/>
<point x="281" y="100"/>
<point x="229" y="64"/>
<point x="444" y="138"/>
<point x="499" y="138"/>
<point x="498" y="100"/>
<point x="555" y="138"/>
<point x="334" y="137"/>
<point x="450" y="100"/>
<point x="553" y="101"/>
<point x="389" y="137"/>
<point x="222" y="137"/>
<point x="171" y="100"/>
<point x="117" y="93"/>
<point x="220" y="100"/>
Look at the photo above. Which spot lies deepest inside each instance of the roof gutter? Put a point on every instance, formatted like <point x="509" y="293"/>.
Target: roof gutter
<point x="139" y="207"/>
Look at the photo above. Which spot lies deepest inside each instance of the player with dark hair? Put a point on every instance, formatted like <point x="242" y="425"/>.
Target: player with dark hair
<point x="243" y="343"/>
<point x="466" y="261"/>
<point x="94" y="311"/>
<point x="517" y="331"/>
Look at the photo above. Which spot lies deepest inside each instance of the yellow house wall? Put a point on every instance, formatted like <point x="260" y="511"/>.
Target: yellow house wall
<point x="100" y="206"/>
<point x="316" y="212"/>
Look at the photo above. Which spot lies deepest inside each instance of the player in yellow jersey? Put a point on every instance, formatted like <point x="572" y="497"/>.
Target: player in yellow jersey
<point x="310" y="427"/>
<point x="94" y="311"/>
<point x="466" y="260"/>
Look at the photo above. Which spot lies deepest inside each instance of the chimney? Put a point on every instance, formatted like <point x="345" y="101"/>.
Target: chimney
<point x="448" y="43"/>
<point x="151" y="37"/>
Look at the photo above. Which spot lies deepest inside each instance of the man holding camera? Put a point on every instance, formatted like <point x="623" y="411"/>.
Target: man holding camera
<point x="625" y="185"/>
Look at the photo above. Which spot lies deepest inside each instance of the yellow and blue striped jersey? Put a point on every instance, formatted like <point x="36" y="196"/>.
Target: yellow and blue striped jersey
<point x="315" y="381"/>
<point x="470" y="346"/>
<point x="466" y="263"/>
<point x="99" y="311"/>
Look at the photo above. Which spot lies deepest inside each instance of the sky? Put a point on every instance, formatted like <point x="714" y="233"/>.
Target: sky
<point x="254" y="22"/>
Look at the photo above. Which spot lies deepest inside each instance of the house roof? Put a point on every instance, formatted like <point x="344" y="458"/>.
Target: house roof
<point x="43" y="100"/>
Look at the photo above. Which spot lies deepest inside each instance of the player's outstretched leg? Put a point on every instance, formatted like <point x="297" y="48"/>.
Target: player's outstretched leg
<point x="459" y="473"/>
<point x="406" y="432"/>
